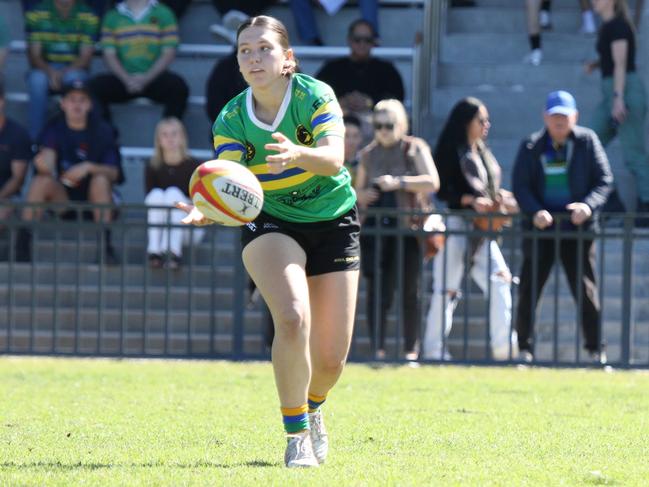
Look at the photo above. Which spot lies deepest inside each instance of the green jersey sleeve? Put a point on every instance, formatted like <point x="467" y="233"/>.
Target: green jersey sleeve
<point x="228" y="133"/>
<point x="325" y="114"/>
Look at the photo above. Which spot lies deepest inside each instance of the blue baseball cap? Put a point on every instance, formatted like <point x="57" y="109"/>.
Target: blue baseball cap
<point x="560" y="102"/>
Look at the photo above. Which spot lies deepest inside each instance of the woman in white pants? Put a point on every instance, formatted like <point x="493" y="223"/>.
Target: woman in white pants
<point x="469" y="179"/>
<point x="166" y="183"/>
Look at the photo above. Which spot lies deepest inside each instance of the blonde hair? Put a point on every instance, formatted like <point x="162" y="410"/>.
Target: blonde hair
<point x="157" y="160"/>
<point x="396" y="108"/>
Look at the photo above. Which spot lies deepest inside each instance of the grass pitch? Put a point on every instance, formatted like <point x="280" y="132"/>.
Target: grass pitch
<point x="103" y="422"/>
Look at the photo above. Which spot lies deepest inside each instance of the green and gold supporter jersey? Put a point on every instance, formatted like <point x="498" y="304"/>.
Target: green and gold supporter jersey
<point x="308" y="112"/>
<point x="139" y="41"/>
<point x="61" y="38"/>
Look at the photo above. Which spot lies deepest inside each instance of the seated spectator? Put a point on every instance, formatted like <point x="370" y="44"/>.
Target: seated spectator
<point x="395" y="171"/>
<point x="225" y="81"/>
<point x="560" y="169"/>
<point x="234" y="13"/>
<point x="307" y="27"/>
<point x="361" y="80"/>
<point x="60" y="42"/>
<point x="78" y="161"/>
<point x="139" y="40"/>
<point x="353" y="140"/>
<point x="166" y="182"/>
<point x="470" y="179"/>
<point x="97" y="6"/>
<point x="15" y="154"/>
<point x="4" y="44"/>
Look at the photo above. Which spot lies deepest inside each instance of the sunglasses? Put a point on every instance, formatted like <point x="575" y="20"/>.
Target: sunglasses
<point x="366" y="40"/>
<point x="386" y="126"/>
<point x="483" y="121"/>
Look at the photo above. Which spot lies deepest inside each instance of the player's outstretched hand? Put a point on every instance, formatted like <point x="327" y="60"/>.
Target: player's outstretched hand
<point x="287" y="153"/>
<point x="194" y="216"/>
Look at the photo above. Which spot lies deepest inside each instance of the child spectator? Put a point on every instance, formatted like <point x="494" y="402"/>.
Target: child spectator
<point x="78" y="160"/>
<point x="139" y="39"/>
<point x="60" y="43"/>
<point x="166" y="182"/>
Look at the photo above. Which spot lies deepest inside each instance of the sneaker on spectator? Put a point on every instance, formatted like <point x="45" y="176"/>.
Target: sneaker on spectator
<point x="588" y="23"/>
<point x="155" y="261"/>
<point x="597" y="357"/>
<point x="545" y="20"/>
<point x="224" y="33"/>
<point x="228" y="28"/>
<point x="525" y="356"/>
<point x="172" y="262"/>
<point x="534" y="57"/>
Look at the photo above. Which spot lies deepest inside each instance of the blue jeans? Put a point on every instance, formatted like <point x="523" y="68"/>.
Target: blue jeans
<point x="39" y="89"/>
<point x="306" y="24"/>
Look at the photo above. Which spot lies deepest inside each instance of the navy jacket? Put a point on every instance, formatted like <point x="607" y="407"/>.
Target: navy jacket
<point x="589" y="174"/>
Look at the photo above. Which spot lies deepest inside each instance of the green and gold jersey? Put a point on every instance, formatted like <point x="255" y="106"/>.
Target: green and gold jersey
<point x="308" y="112"/>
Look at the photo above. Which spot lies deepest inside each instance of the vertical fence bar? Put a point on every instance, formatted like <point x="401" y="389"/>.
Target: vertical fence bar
<point x="77" y="283"/>
<point x="580" y="294"/>
<point x="32" y="308"/>
<point x="55" y="290"/>
<point x="444" y="288"/>
<point x="600" y="282"/>
<point x="190" y="289"/>
<point x="213" y="265"/>
<point x="145" y="301"/>
<point x="470" y="236"/>
<point x="239" y="290"/>
<point x="167" y="270"/>
<point x="488" y="291"/>
<point x="627" y="276"/>
<point x="400" y="291"/>
<point x="534" y="295"/>
<point x="556" y="248"/>
<point x="100" y="280"/>
<point x="10" y="284"/>
<point x="123" y="308"/>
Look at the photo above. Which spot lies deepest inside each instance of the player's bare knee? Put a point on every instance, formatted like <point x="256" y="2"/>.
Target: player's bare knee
<point x="330" y="364"/>
<point x="290" y="322"/>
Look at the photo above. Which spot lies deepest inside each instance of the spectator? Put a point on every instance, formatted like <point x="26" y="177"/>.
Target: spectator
<point x="353" y="139"/>
<point x="623" y="108"/>
<point x="225" y="81"/>
<point x="470" y="179"/>
<point x="233" y="14"/>
<point x="396" y="171"/>
<point x="60" y="39"/>
<point x="139" y="39"/>
<point x="308" y="28"/>
<point x="538" y="17"/>
<point x="562" y="168"/>
<point x="166" y="182"/>
<point x="361" y="80"/>
<point x="78" y="161"/>
<point x="4" y="44"/>
<point x="15" y="154"/>
<point x="97" y="6"/>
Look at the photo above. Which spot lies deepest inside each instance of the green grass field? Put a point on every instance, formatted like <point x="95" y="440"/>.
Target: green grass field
<point x="103" y="422"/>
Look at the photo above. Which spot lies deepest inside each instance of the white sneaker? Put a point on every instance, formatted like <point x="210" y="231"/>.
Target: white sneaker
<point x="233" y="19"/>
<point x="545" y="20"/>
<point x="534" y="57"/>
<point x="588" y="23"/>
<point x="319" y="436"/>
<point x="224" y="33"/>
<point x="526" y="356"/>
<point x="299" y="451"/>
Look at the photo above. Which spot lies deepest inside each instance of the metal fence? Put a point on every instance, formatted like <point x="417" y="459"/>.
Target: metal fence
<point x="67" y="300"/>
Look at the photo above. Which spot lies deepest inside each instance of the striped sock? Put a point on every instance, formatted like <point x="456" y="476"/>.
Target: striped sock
<point x="315" y="402"/>
<point x="295" y="419"/>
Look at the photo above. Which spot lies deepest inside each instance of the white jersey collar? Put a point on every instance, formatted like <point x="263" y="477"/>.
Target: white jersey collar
<point x="250" y="107"/>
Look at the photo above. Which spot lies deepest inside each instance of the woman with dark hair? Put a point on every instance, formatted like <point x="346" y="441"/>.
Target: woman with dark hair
<point x="469" y="179"/>
<point x="302" y="251"/>
<point x="623" y="107"/>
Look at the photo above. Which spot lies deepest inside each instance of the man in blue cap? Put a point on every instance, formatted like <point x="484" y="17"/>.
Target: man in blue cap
<point x="561" y="177"/>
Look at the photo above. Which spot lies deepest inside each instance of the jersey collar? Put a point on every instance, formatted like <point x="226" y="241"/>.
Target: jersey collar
<point x="280" y="113"/>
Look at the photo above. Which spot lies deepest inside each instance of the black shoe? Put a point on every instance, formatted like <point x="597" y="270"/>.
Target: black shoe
<point x="155" y="261"/>
<point x="110" y="257"/>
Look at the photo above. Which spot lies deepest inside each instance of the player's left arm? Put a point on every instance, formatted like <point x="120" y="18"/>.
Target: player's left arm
<point x="325" y="159"/>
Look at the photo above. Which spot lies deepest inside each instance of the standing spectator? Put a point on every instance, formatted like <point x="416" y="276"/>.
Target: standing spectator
<point x="538" y="17"/>
<point x="4" y="44"/>
<point x="360" y="80"/>
<point x="562" y="168"/>
<point x="396" y="171"/>
<point x="308" y="28"/>
<point x="353" y="140"/>
<point x="15" y="154"/>
<point x="166" y="182"/>
<point x="78" y="161"/>
<point x="60" y="40"/>
<point x="469" y="179"/>
<point x="225" y="81"/>
<point x="139" y="40"/>
<point x="623" y="108"/>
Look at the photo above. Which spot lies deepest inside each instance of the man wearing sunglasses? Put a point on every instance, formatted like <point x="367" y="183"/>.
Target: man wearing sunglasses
<point x="361" y="80"/>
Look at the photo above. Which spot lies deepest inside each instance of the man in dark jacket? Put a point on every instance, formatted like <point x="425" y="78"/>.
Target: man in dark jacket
<point x="561" y="169"/>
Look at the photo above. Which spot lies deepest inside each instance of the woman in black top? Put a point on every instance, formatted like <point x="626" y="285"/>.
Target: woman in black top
<point x="167" y="182"/>
<point x="623" y="107"/>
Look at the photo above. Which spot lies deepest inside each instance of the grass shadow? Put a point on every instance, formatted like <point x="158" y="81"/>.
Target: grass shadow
<point x="99" y="466"/>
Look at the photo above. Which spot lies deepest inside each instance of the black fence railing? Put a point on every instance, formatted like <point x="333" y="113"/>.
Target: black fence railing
<point x="68" y="298"/>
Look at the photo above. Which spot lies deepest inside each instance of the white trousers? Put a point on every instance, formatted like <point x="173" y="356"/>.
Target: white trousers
<point x="168" y="239"/>
<point x="487" y="257"/>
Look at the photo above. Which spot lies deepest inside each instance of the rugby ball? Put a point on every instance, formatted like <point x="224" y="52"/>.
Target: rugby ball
<point x="226" y="192"/>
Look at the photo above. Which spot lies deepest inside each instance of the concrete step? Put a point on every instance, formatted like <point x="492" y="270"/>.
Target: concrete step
<point x="509" y="19"/>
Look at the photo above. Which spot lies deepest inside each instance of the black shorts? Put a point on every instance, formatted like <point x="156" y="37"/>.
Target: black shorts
<point x="330" y="246"/>
<point x="79" y="193"/>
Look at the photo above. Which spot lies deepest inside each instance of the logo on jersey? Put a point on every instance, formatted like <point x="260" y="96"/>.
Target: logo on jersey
<point x="303" y="135"/>
<point x="250" y="151"/>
